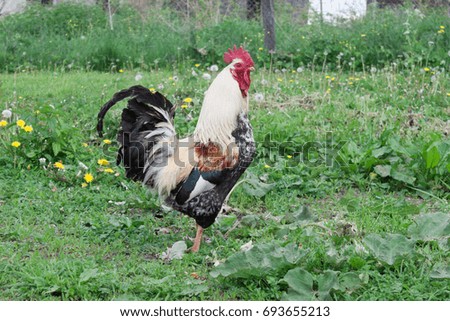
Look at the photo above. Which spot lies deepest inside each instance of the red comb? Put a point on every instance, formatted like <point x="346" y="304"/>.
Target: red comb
<point x="240" y="53"/>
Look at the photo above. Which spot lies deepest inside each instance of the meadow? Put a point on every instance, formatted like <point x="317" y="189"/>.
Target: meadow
<point x="347" y="198"/>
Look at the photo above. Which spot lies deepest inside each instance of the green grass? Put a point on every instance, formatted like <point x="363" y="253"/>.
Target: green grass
<point x="76" y="37"/>
<point x="62" y="241"/>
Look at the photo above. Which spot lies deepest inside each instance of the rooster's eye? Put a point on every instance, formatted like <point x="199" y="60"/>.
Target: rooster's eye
<point x="239" y="65"/>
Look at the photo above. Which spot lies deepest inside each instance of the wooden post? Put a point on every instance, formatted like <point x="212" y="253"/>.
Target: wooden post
<point x="268" y="17"/>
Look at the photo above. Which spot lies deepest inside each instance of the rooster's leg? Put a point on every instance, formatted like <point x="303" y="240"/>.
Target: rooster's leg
<point x="198" y="239"/>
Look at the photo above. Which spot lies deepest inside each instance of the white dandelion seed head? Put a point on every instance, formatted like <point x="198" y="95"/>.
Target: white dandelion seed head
<point x="42" y="161"/>
<point x="6" y="113"/>
<point x="264" y="82"/>
<point x="300" y="69"/>
<point x="138" y="76"/>
<point x="160" y="86"/>
<point x="213" y="68"/>
<point x="194" y="73"/>
<point x="259" y="97"/>
<point x="206" y="76"/>
<point x="82" y="166"/>
<point x="175" y="78"/>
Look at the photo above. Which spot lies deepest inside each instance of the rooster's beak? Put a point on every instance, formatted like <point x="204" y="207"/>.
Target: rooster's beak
<point x="252" y="68"/>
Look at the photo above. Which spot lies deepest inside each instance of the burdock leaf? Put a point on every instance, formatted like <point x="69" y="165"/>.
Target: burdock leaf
<point x="259" y="261"/>
<point x="430" y="226"/>
<point x="388" y="248"/>
<point x="300" y="284"/>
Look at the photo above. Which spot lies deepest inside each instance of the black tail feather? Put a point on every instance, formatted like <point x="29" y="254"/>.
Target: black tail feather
<point x="141" y="95"/>
<point x="138" y="119"/>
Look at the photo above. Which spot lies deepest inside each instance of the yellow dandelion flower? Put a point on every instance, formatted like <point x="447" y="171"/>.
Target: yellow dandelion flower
<point x="350" y="83"/>
<point x="187" y="100"/>
<point x="363" y="35"/>
<point x="85" y="145"/>
<point x="83" y="185"/>
<point x="327" y="77"/>
<point x="426" y="69"/>
<point x="20" y="123"/>
<point x="120" y="70"/>
<point x="333" y="79"/>
<point x="3" y="123"/>
<point x="107" y="142"/>
<point x="103" y="162"/>
<point x="260" y="48"/>
<point x="28" y="128"/>
<point x="16" y="144"/>
<point x="448" y="94"/>
<point x="109" y="170"/>
<point x="58" y="165"/>
<point x="289" y="156"/>
<point x="88" y="177"/>
<point x="152" y="90"/>
<point x="441" y="31"/>
<point x="197" y="65"/>
<point x="372" y="176"/>
<point x="280" y="79"/>
<point x="184" y="106"/>
<point x="267" y="166"/>
<point x="37" y="112"/>
<point x="441" y="27"/>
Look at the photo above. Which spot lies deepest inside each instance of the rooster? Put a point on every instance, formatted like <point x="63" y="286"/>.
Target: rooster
<point x="193" y="175"/>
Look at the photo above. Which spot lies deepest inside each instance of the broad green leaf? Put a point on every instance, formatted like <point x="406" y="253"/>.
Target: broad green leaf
<point x="88" y="274"/>
<point x="300" y="285"/>
<point x="251" y="220"/>
<point x="301" y="214"/>
<point x="254" y="187"/>
<point x="327" y="282"/>
<point x="56" y="147"/>
<point x="432" y="226"/>
<point x="194" y="289"/>
<point x="177" y="250"/>
<point x="380" y="151"/>
<point x="403" y="175"/>
<point x="432" y="157"/>
<point x="395" y="145"/>
<point x="31" y="154"/>
<point x="349" y="281"/>
<point x="389" y="248"/>
<point x="260" y="260"/>
<point x="440" y="272"/>
<point x="383" y="170"/>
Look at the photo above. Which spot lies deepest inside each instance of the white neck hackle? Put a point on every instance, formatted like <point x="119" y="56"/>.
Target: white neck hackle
<point x="222" y="105"/>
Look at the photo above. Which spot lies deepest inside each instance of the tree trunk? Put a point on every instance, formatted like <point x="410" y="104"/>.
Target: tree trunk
<point x="104" y="4"/>
<point x="253" y="9"/>
<point x="268" y="16"/>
